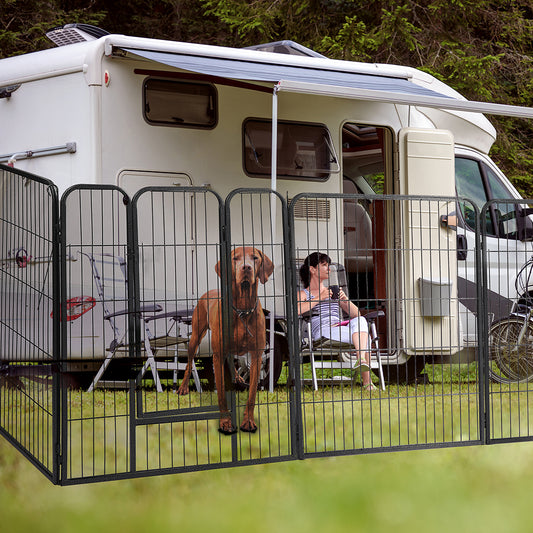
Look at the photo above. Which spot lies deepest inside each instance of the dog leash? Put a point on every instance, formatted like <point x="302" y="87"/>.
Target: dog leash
<point x="245" y="313"/>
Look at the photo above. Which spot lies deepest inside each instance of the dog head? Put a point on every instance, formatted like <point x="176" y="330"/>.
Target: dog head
<point x="248" y="264"/>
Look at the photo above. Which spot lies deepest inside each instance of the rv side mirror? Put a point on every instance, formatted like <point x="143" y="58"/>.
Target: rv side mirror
<point x="524" y="223"/>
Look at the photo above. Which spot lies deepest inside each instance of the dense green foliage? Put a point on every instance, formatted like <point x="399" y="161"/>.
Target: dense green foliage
<point x="482" y="48"/>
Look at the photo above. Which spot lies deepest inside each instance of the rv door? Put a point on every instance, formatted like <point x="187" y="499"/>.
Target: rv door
<point x="428" y="251"/>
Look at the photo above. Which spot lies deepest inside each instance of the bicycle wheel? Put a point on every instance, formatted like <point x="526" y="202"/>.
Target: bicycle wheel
<point x="509" y="361"/>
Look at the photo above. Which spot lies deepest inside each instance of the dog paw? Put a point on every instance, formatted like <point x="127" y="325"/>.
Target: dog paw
<point x="226" y="428"/>
<point x="249" y="427"/>
<point x="183" y="391"/>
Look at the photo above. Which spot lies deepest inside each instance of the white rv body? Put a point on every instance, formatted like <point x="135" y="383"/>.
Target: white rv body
<point x="64" y="98"/>
<point x="90" y="95"/>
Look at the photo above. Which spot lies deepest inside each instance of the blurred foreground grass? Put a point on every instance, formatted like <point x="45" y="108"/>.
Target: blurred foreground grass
<point x="462" y="489"/>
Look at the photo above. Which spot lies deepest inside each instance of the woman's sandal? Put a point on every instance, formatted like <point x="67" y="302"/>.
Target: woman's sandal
<point x="362" y="366"/>
<point x="369" y="387"/>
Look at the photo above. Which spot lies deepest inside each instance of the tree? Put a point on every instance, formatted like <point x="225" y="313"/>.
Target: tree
<point x="482" y="48"/>
<point x="23" y="24"/>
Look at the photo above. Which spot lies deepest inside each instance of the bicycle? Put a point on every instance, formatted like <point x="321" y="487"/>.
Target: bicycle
<point x="511" y="338"/>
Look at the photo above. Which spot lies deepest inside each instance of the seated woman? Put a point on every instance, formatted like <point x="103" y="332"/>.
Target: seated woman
<point x="328" y="322"/>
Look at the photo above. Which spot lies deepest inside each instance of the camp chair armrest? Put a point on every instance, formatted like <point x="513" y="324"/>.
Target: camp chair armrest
<point x="308" y="314"/>
<point x="373" y="315"/>
<point x="179" y="315"/>
<point x="150" y="308"/>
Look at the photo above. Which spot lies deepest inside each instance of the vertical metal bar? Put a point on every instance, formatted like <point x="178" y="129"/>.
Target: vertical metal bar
<point x="57" y="283"/>
<point x="133" y="288"/>
<point x="62" y="413"/>
<point x="132" y="425"/>
<point x="226" y="305"/>
<point x="132" y="269"/>
<point x="295" y="392"/>
<point x="482" y="322"/>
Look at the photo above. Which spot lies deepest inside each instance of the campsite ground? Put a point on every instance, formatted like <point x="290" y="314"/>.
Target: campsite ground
<point x="462" y="489"/>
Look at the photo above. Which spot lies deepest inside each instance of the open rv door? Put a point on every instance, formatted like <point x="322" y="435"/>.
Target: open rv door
<point x="428" y="251"/>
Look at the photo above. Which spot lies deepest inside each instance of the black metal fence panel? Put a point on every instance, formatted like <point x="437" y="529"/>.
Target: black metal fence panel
<point x="177" y="243"/>
<point x="259" y="312"/>
<point x="398" y="259"/>
<point x="177" y="331"/>
<point x="507" y="228"/>
<point x="29" y="304"/>
<point x="97" y="306"/>
<point x="188" y="268"/>
<point x="134" y="274"/>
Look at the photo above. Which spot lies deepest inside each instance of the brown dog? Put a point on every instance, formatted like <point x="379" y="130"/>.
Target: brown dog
<point x="248" y="333"/>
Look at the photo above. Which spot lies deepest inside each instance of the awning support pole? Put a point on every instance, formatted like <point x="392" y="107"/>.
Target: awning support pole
<point x="273" y="215"/>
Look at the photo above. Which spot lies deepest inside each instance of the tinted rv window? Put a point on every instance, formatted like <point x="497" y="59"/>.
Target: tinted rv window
<point x="175" y="103"/>
<point x="305" y="151"/>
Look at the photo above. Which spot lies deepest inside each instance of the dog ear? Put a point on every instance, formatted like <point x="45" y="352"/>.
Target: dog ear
<point x="267" y="267"/>
<point x="217" y="268"/>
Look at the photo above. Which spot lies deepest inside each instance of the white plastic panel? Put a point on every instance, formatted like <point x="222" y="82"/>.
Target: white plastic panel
<point x="428" y="251"/>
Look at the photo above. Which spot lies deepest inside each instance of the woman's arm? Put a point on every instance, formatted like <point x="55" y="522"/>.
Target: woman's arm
<point x="305" y="305"/>
<point x="348" y="307"/>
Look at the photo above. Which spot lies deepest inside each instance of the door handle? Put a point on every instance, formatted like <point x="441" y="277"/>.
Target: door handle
<point x="462" y="247"/>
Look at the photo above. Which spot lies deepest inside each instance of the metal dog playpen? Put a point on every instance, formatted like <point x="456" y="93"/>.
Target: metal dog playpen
<point x="98" y="291"/>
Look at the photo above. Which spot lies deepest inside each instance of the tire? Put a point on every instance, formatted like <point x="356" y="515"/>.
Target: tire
<point x="510" y="362"/>
<point x="242" y="362"/>
<point x="409" y="373"/>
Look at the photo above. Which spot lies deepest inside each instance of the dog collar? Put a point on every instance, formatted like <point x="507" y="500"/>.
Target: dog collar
<point x="244" y="314"/>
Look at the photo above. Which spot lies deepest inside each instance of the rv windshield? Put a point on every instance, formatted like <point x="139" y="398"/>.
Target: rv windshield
<point x="479" y="183"/>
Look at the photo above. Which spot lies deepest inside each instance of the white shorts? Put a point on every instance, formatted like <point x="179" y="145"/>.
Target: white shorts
<point x="345" y="333"/>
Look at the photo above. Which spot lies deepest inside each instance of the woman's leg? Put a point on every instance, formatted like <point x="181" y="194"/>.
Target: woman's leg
<point x="357" y="333"/>
<point x="360" y="341"/>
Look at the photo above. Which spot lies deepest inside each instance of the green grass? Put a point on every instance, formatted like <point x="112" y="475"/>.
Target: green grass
<point x="468" y="488"/>
<point x="338" y="419"/>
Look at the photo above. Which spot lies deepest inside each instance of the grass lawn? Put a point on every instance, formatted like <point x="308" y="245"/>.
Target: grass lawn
<point x="463" y="489"/>
<point x="470" y="488"/>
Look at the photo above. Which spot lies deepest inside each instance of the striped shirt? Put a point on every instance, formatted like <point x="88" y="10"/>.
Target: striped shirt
<point x="329" y="314"/>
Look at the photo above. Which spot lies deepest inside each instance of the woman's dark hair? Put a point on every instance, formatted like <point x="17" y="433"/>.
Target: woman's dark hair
<point x="312" y="260"/>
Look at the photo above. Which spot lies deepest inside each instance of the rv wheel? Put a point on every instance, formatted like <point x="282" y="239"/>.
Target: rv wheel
<point x="408" y="373"/>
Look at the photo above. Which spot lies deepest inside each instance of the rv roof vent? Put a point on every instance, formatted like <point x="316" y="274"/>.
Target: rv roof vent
<point x="74" y="33"/>
<point x="285" y="47"/>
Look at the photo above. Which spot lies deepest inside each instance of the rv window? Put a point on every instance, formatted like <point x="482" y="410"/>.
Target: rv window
<point x="305" y="151"/>
<point x="176" y="103"/>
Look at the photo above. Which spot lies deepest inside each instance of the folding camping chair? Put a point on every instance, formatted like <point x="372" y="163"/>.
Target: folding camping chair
<point x="148" y="313"/>
<point x="330" y="354"/>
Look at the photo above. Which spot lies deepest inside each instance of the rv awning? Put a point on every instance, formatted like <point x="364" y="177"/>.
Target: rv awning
<point x="273" y="73"/>
<point x="335" y="83"/>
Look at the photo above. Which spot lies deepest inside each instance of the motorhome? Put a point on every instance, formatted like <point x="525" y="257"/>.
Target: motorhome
<point x="134" y="113"/>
